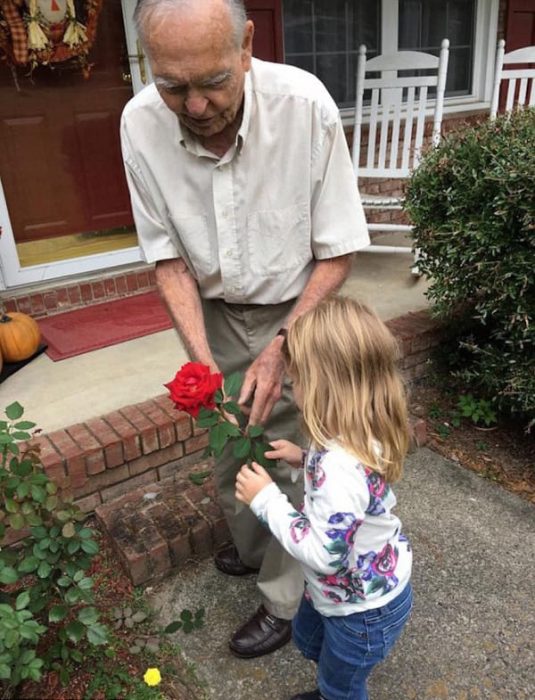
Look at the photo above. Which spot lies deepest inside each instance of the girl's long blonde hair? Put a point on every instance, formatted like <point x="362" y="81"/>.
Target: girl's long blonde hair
<point x="343" y="359"/>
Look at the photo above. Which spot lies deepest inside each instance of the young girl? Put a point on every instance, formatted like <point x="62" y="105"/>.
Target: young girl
<point x="342" y="361"/>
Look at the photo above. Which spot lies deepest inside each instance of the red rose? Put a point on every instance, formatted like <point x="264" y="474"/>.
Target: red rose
<point x="194" y="387"/>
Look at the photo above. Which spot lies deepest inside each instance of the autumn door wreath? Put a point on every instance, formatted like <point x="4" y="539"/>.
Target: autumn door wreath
<point x="45" y="32"/>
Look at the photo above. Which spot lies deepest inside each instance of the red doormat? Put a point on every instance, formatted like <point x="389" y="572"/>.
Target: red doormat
<point x="93" y="327"/>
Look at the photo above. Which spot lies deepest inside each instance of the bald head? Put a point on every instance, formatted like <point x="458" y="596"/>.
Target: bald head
<point x="147" y="9"/>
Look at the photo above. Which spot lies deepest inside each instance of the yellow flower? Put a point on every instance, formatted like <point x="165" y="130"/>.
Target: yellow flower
<point x="152" y="676"/>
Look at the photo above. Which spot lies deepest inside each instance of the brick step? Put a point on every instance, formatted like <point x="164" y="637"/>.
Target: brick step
<point x="157" y="528"/>
<point x="47" y="299"/>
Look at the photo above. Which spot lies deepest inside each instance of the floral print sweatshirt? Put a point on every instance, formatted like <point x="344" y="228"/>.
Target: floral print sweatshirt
<point x="345" y="535"/>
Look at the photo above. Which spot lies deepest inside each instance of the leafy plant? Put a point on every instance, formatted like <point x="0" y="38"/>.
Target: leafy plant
<point x="472" y="204"/>
<point x="188" y="622"/>
<point x="478" y="410"/>
<point x="45" y="574"/>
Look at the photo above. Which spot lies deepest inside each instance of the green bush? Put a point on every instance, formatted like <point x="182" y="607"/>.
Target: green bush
<point x="472" y="203"/>
<point x="45" y="578"/>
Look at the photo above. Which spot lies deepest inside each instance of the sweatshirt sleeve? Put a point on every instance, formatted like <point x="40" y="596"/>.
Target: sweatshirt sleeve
<point x="321" y="535"/>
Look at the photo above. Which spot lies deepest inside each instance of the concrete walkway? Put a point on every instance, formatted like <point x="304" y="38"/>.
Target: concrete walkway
<point x="471" y="633"/>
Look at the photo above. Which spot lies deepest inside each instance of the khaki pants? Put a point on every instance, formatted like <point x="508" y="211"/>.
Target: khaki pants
<point x="237" y="333"/>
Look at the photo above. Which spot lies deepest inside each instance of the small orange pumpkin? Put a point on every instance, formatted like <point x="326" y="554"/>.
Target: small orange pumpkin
<point x="19" y="336"/>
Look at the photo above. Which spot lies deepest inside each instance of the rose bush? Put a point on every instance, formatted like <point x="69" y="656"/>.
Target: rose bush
<point x="210" y="399"/>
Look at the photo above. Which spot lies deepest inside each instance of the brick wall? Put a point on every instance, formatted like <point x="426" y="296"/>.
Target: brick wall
<point x="39" y="301"/>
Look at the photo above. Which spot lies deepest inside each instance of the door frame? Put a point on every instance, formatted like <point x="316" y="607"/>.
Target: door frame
<point x="12" y="274"/>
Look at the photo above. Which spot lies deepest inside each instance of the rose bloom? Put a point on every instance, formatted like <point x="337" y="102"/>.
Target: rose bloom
<point x="152" y="676"/>
<point x="194" y="387"/>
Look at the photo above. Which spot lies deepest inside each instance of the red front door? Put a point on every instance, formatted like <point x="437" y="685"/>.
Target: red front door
<point x="60" y="161"/>
<point x="267" y="18"/>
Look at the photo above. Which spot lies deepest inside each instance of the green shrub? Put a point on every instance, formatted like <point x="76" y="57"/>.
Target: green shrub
<point x="472" y="203"/>
<point x="45" y="575"/>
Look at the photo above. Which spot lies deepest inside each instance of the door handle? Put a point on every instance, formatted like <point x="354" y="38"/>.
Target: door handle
<point x="141" y="59"/>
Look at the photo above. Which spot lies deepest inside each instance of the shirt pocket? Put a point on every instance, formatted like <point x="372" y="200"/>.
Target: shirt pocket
<point x="279" y="239"/>
<point x="194" y="242"/>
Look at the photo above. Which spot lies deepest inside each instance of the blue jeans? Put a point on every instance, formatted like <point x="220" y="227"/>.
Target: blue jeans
<point x="346" y="648"/>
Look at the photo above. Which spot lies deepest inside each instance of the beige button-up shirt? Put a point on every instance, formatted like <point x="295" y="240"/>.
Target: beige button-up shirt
<point x="250" y="224"/>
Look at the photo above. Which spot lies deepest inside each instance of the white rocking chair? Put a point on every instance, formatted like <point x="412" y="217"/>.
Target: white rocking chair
<point x="520" y="81"/>
<point x="396" y="130"/>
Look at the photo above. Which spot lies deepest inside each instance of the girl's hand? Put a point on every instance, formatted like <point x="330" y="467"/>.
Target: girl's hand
<point x="286" y="450"/>
<point x="250" y="481"/>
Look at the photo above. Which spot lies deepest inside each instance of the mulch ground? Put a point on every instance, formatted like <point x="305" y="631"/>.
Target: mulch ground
<point x="504" y="453"/>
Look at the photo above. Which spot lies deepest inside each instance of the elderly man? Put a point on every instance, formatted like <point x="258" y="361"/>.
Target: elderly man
<point x="244" y="196"/>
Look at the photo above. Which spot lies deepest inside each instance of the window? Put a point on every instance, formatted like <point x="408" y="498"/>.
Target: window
<point x="323" y="37"/>
<point x="424" y="23"/>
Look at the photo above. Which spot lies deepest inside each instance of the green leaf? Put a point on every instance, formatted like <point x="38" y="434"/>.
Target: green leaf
<point x="11" y="506"/>
<point x="255" y="430"/>
<point x="218" y="439"/>
<point x="199" y="478"/>
<point x="44" y="569"/>
<point x="172" y="627"/>
<point x="21" y="435"/>
<point x="90" y="546"/>
<point x="8" y="575"/>
<point x="17" y="521"/>
<point x="28" y="564"/>
<point x="242" y="448"/>
<point x="232" y="408"/>
<point x="38" y="493"/>
<point x="57" y="613"/>
<point x="51" y="502"/>
<point x="97" y="634"/>
<point x="14" y="411"/>
<point x="75" y="631"/>
<point x="231" y="429"/>
<point x="73" y="595"/>
<point x="73" y="546"/>
<point x="233" y="384"/>
<point x="86" y="533"/>
<point x="24" y="425"/>
<point x="259" y="449"/>
<point x="208" y="420"/>
<point x="5" y="672"/>
<point x="186" y="615"/>
<point x="88" y="616"/>
<point x="23" y="490"/>
<point x="85" y="584"/>
<point x="22" y="600"/>
<point x="23" y="468"/>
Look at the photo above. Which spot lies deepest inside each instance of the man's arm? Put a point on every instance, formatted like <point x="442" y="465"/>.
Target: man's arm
<point x="180" y="292"/>
<point x="265" y="375"/>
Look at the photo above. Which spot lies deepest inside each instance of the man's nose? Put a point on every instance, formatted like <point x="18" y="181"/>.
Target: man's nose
<point x="196" y="104"/>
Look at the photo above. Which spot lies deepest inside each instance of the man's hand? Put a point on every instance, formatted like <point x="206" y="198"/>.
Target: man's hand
<point x="286" y="450"/>
<point x="263" y="381"/>
<point x="250" y="481"/>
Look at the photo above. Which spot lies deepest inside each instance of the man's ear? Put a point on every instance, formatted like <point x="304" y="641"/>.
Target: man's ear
<point x="247" y="45"/>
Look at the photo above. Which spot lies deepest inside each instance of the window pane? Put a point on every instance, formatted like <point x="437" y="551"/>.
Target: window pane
<point x="424" y="23"/>
<point x="323" y="36"/>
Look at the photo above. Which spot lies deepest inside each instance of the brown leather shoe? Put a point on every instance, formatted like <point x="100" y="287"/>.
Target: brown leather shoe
<point x="228" y="561"/>
<point x="260" y="635"/>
